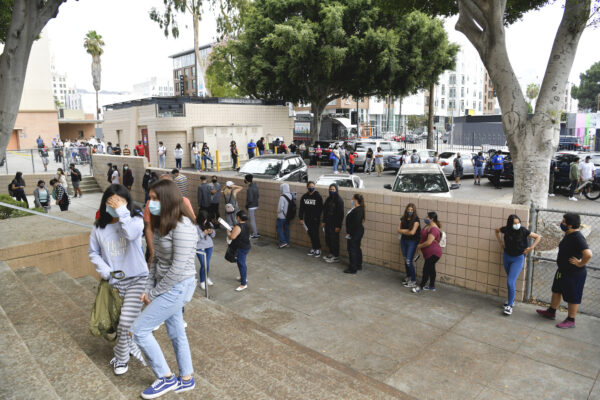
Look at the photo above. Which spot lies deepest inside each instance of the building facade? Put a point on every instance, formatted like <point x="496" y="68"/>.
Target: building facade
<point x="62" y="89"/>
<point x="154" y="87"/>
<point x="184" y="72"/>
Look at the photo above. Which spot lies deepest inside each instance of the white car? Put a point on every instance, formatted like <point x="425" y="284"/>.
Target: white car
<point x="447" y="162"/>
<point x="422" y="178"/>
<point x="342" y="180"/>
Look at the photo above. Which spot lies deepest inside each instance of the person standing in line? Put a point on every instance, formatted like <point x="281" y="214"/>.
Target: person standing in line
<point x="283" y="224"/>
<point x="436" y="158"/>
<point x="573" y="177"/>
<point x="41" y="196"/>
<point x="178" y="154"/>
<point x="139" y="149"/>
<point x="116" y="150"/>
<point x="59" y="193"/>
<point x="410" y="229"/>
<point x="45" y="157"/>
<point x="343" y="163"/>
<point x="283" y="148"/>
<point x="203" y="195"/>
<point x="252" y="203"/>
<point x="206" y="157"/>
<point x="181" y="181"/>
<point x="196" y="154"/>
<point x="251" y="149"/>
<point x="231" y="203"/>
<point x="309" y="213"/>
<point x="75" y="180"/>
<point x="62" y="179"/>
<point x="429" y="245"/>
<point x="57" y="149"/>
<point x="333" y="216"/>
<point x="162" y="155"/>
<point x="588" y="173"/>
<point x="261" y="146"/>
<point x="573" y="256"/>
<point x="369" y="161"/>
<point x="335" y="158"/>
<point x="234" y="155"/>
<point x="40" y="142"/>
<point x="477" y="162"/>
<point x="206" y="233"/>
<point x="170" y="286"/>
<point x="415" y="158"/>
<point x="458" y="169"/>
<point x="293" y="148"/>
<point x="215" y="198"/>
<point x="109" y="148"/>
<point x="127" y="177"/>
<point x="553" y="170"/>
<point x="149" y="178"/>
<point x="497" y="168"/>
<point x="405" y="158"/>
<point x="318" y="154"/>
<point x="354" y="233"/>
<point x="115" y="178"/>
<point x="116" y="249"/>
<point x="126" y="151"/>
<point x="18" y="188"/>
<point x="240" y="240"/>
<point x="379" y="161"/>
<point x="515" y="248"/>
<point x="351" y="160"/>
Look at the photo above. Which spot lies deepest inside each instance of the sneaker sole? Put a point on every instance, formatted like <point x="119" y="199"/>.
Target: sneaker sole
<point x="187" y="389"/>
<point x="157" y="395"/>
<point x="565" y="327"/>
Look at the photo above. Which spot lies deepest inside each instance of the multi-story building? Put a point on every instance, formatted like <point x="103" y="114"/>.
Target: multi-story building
<point x="338" y="117"/>
<point x="489" y="95"/>
<point x="62" y="89"/>
<point x="184" y="71"/>
<point x="154" y="87"/>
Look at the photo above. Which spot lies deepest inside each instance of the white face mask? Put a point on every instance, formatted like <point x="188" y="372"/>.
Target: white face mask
<point x="516" y="227"/>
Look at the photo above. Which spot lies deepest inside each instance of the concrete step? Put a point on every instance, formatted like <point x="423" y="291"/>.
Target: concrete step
<point x="17" y="365"/>
<point x="72" y="374"/>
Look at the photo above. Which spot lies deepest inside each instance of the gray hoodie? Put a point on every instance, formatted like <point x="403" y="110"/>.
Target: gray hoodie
<point x="282" y="207"/>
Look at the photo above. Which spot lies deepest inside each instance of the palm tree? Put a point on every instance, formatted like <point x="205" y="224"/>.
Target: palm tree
<point x="93" y="44"/>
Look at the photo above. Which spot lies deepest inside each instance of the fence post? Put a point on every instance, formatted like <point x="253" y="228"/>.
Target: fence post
<point x="32" y="162"/>
<point x="529" y="277"/>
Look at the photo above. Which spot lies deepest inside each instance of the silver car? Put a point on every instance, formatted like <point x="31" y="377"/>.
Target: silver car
<point x="342" y="180"/>
<point x="422" y="178"/>
<point x="447" y="162"/>
<point x="388" y="147"/>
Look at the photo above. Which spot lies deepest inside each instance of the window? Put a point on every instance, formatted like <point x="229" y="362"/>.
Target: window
<point x="462" y="105"/>
<point x="479" y="95"/>
<point x="443" y="90"/>
<point x="193" y="71"/>
<point x="480" y="106"/>
<point x="443" y="103"/>
<point x="194" y="84"/>
<point x="385" y="146"/>
<point x="451" y="104"/>
<point x="462" y="92"/>
<point x="452" y="93"/>
<point x="452" y="79"/>
<point x="80" y="134"/>
<point x="177" y="87"/>
<point x="462" y="79"/>
<point x="490" y="94"/>
<point x="175" y="74"/>
<point x="474" y="105"/>
<point x="186" y="86"/>
<point x="490" y="106"/>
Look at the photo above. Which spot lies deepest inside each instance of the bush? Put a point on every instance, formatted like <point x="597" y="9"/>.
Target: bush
<point x="6" y="212"/>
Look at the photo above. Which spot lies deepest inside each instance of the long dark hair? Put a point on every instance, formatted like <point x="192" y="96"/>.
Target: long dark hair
<point x="19" y="178"/>
<point x="509" y="231"/>
<point x="121" y="191"/>
<point x="361" y="202"/>
<point x="203" y="220"/>
<point x="405" y="217"/>
<point x="434" y="217"/>
<point x="172" y="208"/>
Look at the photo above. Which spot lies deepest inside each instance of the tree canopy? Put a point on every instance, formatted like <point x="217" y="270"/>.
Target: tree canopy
<point x="589" y="88"/>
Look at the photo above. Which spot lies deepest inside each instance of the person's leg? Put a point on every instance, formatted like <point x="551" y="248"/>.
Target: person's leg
<point x="572" y="310"/>
<point x="335" y="161"/>
<point x="202" y="266"/>
<point x="279" y="229"/>
<point x="404" y="251"/>
<point x="129" y="312"/>
<point x="242" y="267"/>
<point x="359" y="257"/>
<point x="411" y="248"/>
<point x="351" y="255"/>
<point x="426" y="271"/>
<point x="572" y="188"/>
<point x="315" y="237"/>
<point x="551" y="184"/>
<point x="335" y="243"/>
<point x="515" y="265"/>
<point x="286" y="230"/>
<point x="432" y="272"/>
<point x="253" y="220"/>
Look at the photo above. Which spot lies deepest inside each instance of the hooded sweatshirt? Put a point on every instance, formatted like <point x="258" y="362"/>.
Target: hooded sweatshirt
<point x="282" y="207"/>
<point x="333" y="210"/>
<point x="311" y="207"/>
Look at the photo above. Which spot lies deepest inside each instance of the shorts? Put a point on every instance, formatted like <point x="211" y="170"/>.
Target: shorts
<point x="458" y="173"/>
<point x="379" y="168"/>
<point x="75" y="184"/>
<point x="478" y="171"/>
<point x="570" y="286"/>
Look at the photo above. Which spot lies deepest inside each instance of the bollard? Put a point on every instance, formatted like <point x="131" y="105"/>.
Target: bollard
<point x="202" y="163"/>
<point x="256" y="154"/>
<point x="275" y="147"/>
<point x="217" y="155"/>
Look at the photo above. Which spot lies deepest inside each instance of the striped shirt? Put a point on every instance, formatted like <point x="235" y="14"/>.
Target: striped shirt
<point x="182" y="184"/>
<point x="174" y="258"/>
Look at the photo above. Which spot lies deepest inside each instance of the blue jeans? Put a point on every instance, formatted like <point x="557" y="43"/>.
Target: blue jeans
<point x="513" y="267"/>
<point x="241" y="263"/>
<point x="178" y="163"/>
<point x="343" y="162"/>
<point x="335" y="164"/>
<point x="197" y="164"/>
<point x="208" y="252"/>
<point x="283" y="230"/>
<point x="351" y="169"/>
<point x="161" y="161"/>
<point x="409" y="247"/>
<point x="261" y="152"/>
<point x="167" y="308"/>
<point x="206" y="158"/>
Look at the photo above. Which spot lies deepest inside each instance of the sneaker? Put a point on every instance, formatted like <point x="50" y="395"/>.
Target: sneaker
<point x="311" y="252"/>
<point x="283" y="245"/>
<point x="119" y="367"/>
<point x="185" y="386"/>
<point x="333" y="260"/>
<point x="504" y="305"/>
<point x="405" y="280"/>
<point x="317" y="253"/>
<point x="210" y="283"/>
<point x="241" y="287"/>
<point x="328" y="257"/>
<point x="546" y="314"/>
<point x="350" y="271"/>
<point x="551" y="195"/>
<point x="202" y="285"/>
<point x="185" y="324"/>
<point x="508" y="310"/>
<point x="572" y="199"/>
<point x="410" y="284"/>
<point x="160" y="387"/>
<point x="566" y="324"/>
<point x="430" y="288"/>
<point x="416" y="289"/>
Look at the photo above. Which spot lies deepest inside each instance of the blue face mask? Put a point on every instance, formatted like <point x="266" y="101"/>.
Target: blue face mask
<point x="516" y="227"/>
<point x="311" y="189"/>
<point x="154" y="207"/>
<point x="332" y="193"/>
<point x="564" y="227"/>
<point x="427" y="221"/>
<point x="111" y="211"/>
<point x="410" y="213"/>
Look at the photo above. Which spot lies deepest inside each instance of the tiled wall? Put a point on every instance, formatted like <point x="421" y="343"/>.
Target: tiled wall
<point x="31" y="181"/>
<point x="472" y="258"/>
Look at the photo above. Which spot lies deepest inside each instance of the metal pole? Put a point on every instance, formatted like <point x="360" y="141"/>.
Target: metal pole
<point x="32" y="163"/>
<point x="529" y="276"/>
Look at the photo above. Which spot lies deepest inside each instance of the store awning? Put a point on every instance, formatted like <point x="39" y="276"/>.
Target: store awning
<point x="345" y="122"/>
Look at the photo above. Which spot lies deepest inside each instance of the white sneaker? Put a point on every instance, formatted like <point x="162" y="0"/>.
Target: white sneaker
<point x="119" y="368"/>
<point x="311" y="252"/>
<point x="572" y="199"/>
<point x="317" y="253"/>
<point x="416" y="289"/>
<point x="210" y="283"/>
<point x="184" y="324"/>
<point x="410" y="284"/>
<point x="202" y="285"/>
<point x="551" y="195"/>
<point x="241" y="287"/>
<point x="508" y="310"/>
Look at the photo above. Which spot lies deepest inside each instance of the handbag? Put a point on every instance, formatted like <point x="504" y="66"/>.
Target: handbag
<point x="231" y="253"/>
<point x="229" y="208"/>
<point x="104" y="319"/>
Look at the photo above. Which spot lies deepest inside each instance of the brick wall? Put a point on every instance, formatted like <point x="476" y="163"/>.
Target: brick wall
<point x="472" y="258"/>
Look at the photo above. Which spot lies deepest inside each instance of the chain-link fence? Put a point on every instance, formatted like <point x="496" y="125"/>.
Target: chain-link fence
<point x="547" y="224"/>
<point x="40" y="160"/>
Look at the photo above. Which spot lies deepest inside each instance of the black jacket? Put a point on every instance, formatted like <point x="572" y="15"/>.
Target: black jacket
<point x="333" y="211"/>
<point x="204" y="196"/>
<point x="311" y="207"/>
<point x="252" y="196"/>
<point x="146" y="181"/>
<point x="354" y="221"/>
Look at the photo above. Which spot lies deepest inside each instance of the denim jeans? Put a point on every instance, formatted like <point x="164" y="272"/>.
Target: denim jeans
<point x="283" y="230"/>
<point x="335" y="164"/>
<point x="409" y="247"/>
<point x="161" y="161"/>
<point x="351" y="168"/>
<point x="178" y="163"/>
<point x="513" y="267"/>
<point x="241" y="263"/>
<point x="261" y="152"/>
<point x="197" y="164"/>
<point x="343" y="164"/>
<point x="208" y="252"/>
<point x="205" y="159"/>
<point x="167" y="308"/>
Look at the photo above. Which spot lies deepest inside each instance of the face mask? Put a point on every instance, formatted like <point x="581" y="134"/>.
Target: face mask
<point x="311" y="189"/>
<point x="332" y="192"/>
<point x="564" y="227"/>
<point x="41" y="187"/>
<point x="214" y="181"/>
<point x="154" y="207"/>
<point x="147" y="173"/>
<point x="410" y="213"/>
<point x="125" y="168"/>
<point x="516" y="227"/>
<point x="111" y="211"/>
<point x="427" y="221"/>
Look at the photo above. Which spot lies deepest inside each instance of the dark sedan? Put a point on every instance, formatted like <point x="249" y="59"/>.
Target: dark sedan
<point x="507" y="173"/>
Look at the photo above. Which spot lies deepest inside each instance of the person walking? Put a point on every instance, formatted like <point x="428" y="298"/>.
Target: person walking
<point x="178" y="154"/>
<point x="588" y="172"/>
<point x="410" y="229"/>
<point x="553" y="170"/>
<point x="309" y="213"/>
<point x="477" y="162"/>
<point x="127" y="177"/>
<point x="343" y="162"/>
<point x="115" y="249"/>
<point x="261" y="146"/>
<point x="334" y="156"/>
<point x="59" y="193"/>
<point x="283" y="224"/>
<point x="234" y="155"/>
<point x="458" y="169"/>
<point x="354" y="233"/>
<point x="573" y="177"/>
<point x="18" y="188"/>
<point x="252" y="203"/>
<point x="429" y="245"/>
<point x="573" y="256"/>
<point x="206" y="157"/>
<point x="379" y="161"/>
<point x="115" y="177"/>
<point x="515" y="248"/>
<point x="203" y="195"/>
<point x="41" y="196"/>
<point x="230" y="193"/>
<point x="206" y="233"/>
<point x="240" y="240"/>
<point x="333" y="216"/>
<point x="215" y="198"/>
<point x="251" y="149"/>
<point x="170" y="286"/>
<point x="149" y="178"/>
<point x="369" y="161"/>
<point x="162" y="155"/>
<point x="181" y="181"/>
<point x="196" y="155"/>
<point x="45" y="157"/>
<point x="76" y="180"/>
<point x="497" y="168"/>
<point x="318" y="154"/>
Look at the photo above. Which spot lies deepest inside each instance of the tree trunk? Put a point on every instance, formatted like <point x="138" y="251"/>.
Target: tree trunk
<point x="97" y="107"/>
<point x="315" y="128"/>
<point x="430" y="118"/>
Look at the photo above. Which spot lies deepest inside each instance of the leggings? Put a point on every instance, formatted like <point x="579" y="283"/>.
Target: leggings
<point x="132" y="306"/>
<point x="429" y="271"/>
<point x="513" y="267"/>
<point x="313" y="233"/>
<point x="20" y="196"/>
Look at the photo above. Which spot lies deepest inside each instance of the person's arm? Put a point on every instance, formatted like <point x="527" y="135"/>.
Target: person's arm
<point x="149" y="235"/>
<point x="301" y="211"/>
<point x="234" y="233"/>
<point x="414" y="229"/>
<point x="499" y="238"/>
<point x="339" y="215"/>
<point x="95" y="253"/>
<point x="36" y="198"/>
<point x="281" y="205"/>
<point x="582" y="262"/>
<point x="430" y="239"/>
<point x="536" y="239"/>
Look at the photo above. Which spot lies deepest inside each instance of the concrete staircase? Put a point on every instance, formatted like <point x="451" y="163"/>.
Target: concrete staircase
<point x="47" y="351"/>
<point x="89" y="185"/>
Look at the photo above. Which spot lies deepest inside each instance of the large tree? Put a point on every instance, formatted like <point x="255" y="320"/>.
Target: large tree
<point x="307" y="51"/>
<point x="94" y="46"/>
<point x="27" y="19"/>
<point x="589" y="89"/>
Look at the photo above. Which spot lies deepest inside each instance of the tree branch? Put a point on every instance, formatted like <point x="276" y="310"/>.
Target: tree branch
<point x="49" y="11"/>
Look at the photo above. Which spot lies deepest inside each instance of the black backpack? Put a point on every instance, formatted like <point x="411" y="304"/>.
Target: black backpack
<point x="291" y="210"/>
<point x="11" y="192"/>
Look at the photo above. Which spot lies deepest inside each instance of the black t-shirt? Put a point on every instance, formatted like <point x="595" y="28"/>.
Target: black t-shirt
<point x="515" y="241"/>
<point x="242" y="241"/>
<point x="572" y="245"/>
<point x="77" y="176"/>
<point x="408" y="224"/>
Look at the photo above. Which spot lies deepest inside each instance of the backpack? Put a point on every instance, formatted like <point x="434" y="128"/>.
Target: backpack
<point x="229" y="208"/>
<point x="11" y="192"/>
<point x="291" y="210"/>
<point x="442" y="241"/>
<point x="332" y="156"/>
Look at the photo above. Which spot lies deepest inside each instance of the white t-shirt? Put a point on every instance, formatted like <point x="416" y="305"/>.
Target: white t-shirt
<point x="195" y="150"/>
<point x="379" y="158"/>
<point x="178" y="153"/>
<point x="115" y="177"/>
<point x="587" y="171"/>
<point x="162" y="150"/>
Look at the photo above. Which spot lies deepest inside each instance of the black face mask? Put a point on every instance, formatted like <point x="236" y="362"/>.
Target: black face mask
<point x="214" y="181"/>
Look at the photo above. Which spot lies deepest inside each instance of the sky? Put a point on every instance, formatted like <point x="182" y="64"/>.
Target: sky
<point x="136" y="48"/>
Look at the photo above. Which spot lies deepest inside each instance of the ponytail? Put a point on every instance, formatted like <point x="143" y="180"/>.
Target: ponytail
<point x="361" y="202"/>
<point x="434" y="217"/>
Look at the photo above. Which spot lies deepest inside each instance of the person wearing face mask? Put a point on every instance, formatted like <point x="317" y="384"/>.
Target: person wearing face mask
<point x="458" y="169"/>
<point x="127" y="177"/>
<point x="240" y="240"/>
<point x="252" y="204"/>
<point x="149" y="178"/>
<point x="206" y="233"/>
<point x="41" y="196"/>
<point x="59" y="193"/>
<point x="309" y="213"/>
<point x="115" y="249"/>
<point x="354" y="233"/>
<point x="515" y="248"/>
<point x="410" y="229"/>
<point x="429" y="245"/>
<point x="75" y="180"/>
<point x="573" y="256"/>
<point x="333" y="216"/>
<point x="215" y="199"/>
<point x="115" y="178"/>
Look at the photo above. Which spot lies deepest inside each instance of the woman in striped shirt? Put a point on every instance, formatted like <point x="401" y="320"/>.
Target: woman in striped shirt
<point x="171" y="284"/>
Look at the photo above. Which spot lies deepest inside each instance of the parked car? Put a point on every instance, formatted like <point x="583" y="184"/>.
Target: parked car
<point x="279" y="167"/>
<point x="422" y="178"/>
<point x="507" y="174"/>
<point x="393" y="161"/>
<point x="447" y="163"/>
<point x="342" y="180"/>
<point x="569" y="143"/>
<point x="388" y="148"/>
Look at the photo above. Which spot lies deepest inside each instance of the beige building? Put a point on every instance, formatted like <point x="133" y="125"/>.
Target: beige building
<point x="489" y="95"/>
<point x="216" y="121"/>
